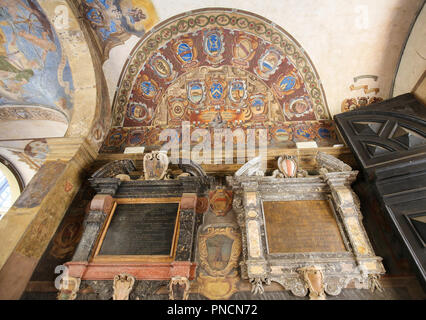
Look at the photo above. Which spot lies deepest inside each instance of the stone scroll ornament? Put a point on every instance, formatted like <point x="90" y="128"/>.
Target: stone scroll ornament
<point x="328" y="163"/>
<point x="251" y="168"/>
<point x="155" y="165"/>
<point x="123" y="285"/>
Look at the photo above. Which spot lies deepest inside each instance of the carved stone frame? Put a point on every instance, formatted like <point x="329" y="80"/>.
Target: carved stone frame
<point x="97" y="257"/>
<point x="358" y="263"/>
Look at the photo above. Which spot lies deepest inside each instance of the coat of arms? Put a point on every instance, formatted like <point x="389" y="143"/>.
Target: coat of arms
<point x="244" y="50"/>
<point x="217" y="91"/>
<point x="220" y="201"/>
<point x="268" y="63"/>
<point x="162" y="67"/>
<point x="258" y="105"/>
<point x="148" y="88"/>
<point x="288" y="166"/>
<point x="220" y="249"/>
<point x="214" y="46"/>
<point x="237" y="91"/>
<point x="298" y="108"/>
<point x="155" y="165"/>
<point x="177" y="108"/>
<point x="139" y="112"/>
<point x="196" y="91"/>
<point x="287" y="84"/>
<point x="186" y="53"/>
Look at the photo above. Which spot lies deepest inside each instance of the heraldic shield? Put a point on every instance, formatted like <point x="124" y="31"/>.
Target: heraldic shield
<point x="155" y="165"/>
<point x="220" y="249"/>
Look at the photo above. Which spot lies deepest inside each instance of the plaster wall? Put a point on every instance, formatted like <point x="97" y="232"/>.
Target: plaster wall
<point x="413" y="60"/>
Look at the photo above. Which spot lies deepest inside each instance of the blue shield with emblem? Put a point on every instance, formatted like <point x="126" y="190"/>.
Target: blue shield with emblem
<point x="216" y="90"/>
<point x="287" y="83"/>
<point x="213" y="44"/>
<point x="257" y="103"/>
<point x="148" y="89"/>
<point x="324" y="133"/>
<point x="185" y="52"/>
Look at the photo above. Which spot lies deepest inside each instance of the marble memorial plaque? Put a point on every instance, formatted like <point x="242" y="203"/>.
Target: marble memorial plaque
<point x="301" y="226"/>
<point x="141" y="229"/>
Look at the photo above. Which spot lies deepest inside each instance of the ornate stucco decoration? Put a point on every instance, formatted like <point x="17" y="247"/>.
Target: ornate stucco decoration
<point x="330" y="164"/>
<point x="123" y="285"/>
<point x="316" y="272"/>
<point x="115" y="168"/>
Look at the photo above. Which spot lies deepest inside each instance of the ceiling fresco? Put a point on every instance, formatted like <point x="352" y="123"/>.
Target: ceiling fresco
<point x="33" y="68"/>
<point x="114" y="21"/>
<point x="219" y="68"/>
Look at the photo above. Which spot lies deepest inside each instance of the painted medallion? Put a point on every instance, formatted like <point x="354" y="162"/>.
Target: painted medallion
<point x="214" y="46"/>
<point x="268" y="63"/>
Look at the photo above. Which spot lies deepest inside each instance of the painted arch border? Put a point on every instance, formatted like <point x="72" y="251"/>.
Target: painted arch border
<point x="153" y="40"/>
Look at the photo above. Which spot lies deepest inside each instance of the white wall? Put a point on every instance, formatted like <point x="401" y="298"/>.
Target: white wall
<point x="413" y="60"/>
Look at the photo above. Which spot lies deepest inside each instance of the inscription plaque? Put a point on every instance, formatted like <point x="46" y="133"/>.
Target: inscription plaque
<point x="301" y="226"/>
<point x="141" y="229"/>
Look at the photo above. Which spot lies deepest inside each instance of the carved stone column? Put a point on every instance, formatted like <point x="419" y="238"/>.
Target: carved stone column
<point x="100" y="208"/>
<point x="182" y="266"/>
<point x="256" y="264"/>
<point x="348" y="208"/>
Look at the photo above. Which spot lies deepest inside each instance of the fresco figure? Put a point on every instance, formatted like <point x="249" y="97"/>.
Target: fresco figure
<point x="114" y="21"/>
<point x="33" y="69"/>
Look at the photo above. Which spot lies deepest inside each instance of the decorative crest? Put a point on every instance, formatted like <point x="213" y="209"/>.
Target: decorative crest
<point x="288" y="166"/>
<point x="220" y="201"/>
<point x="155" y="165"/>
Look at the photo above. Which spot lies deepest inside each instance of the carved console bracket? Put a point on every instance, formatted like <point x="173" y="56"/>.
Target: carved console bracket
<point x="123" y="285"/>
<point x="179" y="288"/>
